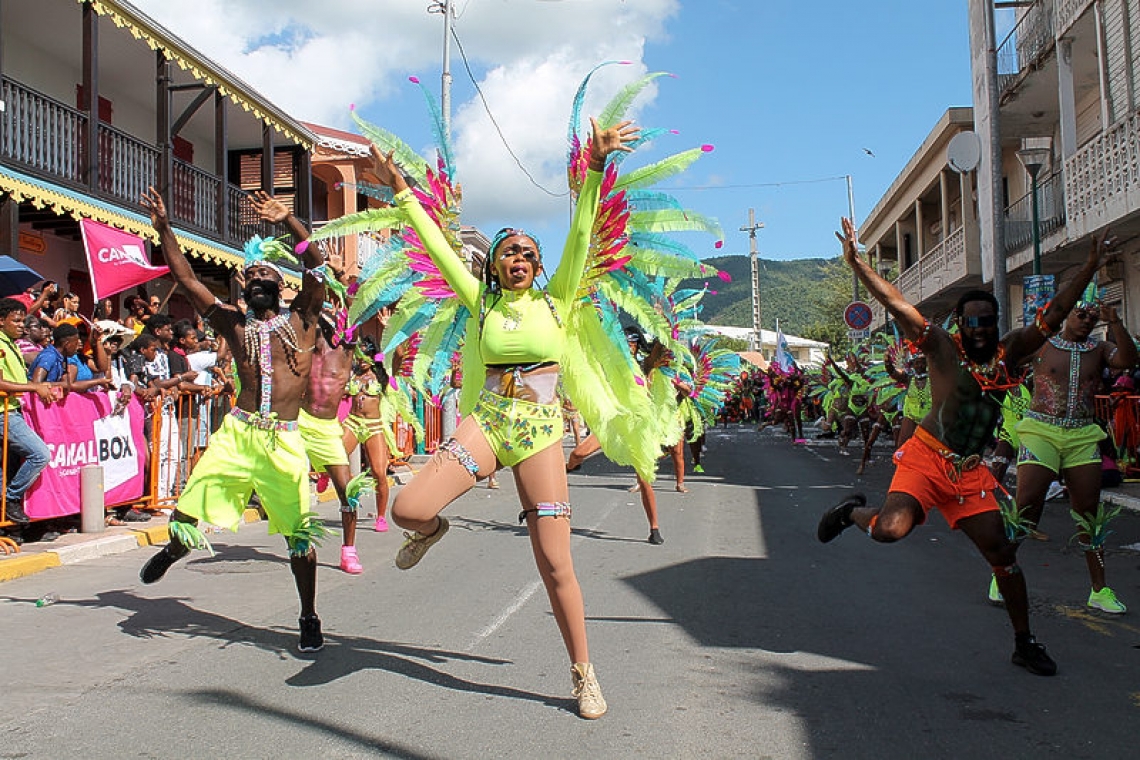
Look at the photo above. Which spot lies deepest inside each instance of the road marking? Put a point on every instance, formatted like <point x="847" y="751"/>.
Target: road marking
<point x="520" y="600"/>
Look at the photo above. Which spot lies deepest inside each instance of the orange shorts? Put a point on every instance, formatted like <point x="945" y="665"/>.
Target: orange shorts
<point x="923" y="473"/>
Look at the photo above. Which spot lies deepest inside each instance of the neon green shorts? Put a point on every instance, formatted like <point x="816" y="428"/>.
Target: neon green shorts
<point x="516" y="428"/>
<point x="1058" y="448"/>
<point x="241" y="459"/>
<point x="324" y="441"/>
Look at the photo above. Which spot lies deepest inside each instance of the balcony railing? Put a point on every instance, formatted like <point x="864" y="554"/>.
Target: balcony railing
<point x="1024" y="46"/>
<point x="367" y="245"/>
<point x="1050" y="213"/>
<point x="1067" y="12"/>
<point x="941" y="267"/>
<point x="1102" y="179"/>
<point x="47" y="139"/>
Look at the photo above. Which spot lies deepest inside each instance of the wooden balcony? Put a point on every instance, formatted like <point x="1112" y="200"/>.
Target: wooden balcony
<point x="1102" y="179"/>
<point x="47" y="139"/>
<point x="942" y="267"/>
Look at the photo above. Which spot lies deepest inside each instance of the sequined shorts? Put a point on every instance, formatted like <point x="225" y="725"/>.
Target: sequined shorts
<point x="515" y="428"/>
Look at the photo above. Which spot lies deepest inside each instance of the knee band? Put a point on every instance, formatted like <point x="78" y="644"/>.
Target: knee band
<point x="547" y="509"/>
<point x="1007" y="571"/>
<point x="461" y="454"/>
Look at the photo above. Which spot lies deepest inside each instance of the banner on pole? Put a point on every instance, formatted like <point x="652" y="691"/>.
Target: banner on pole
<point x="116" y="259"/>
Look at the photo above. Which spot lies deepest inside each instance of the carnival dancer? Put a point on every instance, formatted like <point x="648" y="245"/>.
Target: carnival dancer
<point x="941" y="466"/>
<point x="916" y="401"/>
<point x="258" y="446"/>
<point x="377" y="402"/>
<point x="518" y="420"/>
<point x="1060" y="437"/>
<point x="329" y="375"/>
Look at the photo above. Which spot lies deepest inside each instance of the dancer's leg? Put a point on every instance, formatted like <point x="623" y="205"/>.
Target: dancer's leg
<point x="677" y="453"/>
<point x="541" y="479"/>
<point x="377" y="449"/>
<point x="444" y="479"/>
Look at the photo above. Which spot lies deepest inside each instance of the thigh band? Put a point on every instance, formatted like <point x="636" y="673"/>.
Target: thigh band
<point x="461" y="454"/>
<point x="547" y="509"/>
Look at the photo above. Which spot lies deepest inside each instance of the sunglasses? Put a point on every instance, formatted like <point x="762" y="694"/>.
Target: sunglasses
<point x="989" y="320"/>
<point x="1087" y="315"/>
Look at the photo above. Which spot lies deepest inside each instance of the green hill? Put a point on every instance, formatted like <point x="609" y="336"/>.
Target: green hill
<point x="807" y="295"/>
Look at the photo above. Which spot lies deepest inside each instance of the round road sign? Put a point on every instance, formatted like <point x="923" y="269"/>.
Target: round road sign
<point x="857" y="315"/>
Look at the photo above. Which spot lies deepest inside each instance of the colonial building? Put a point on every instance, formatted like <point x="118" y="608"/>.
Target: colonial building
<point x="99" y="102"/>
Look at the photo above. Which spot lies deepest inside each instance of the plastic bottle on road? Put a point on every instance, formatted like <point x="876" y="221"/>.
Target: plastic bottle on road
<point x="46" y="599"/>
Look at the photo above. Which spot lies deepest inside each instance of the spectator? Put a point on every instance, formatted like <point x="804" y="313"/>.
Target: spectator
<point x="68" y="312"/>
<point x="35" y="297"/>
<point x="22" y="440"/>
<point x="37" y="335"/>
<point x="138" y="314"/>
<point x="168" y="371"/>
<point x="51" y="363"/>
<point x="106" y="310"/>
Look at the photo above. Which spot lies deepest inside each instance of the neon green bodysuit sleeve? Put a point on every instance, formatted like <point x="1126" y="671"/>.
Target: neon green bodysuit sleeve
<point x="564" y="282"/>
<point x="451" y="266"/>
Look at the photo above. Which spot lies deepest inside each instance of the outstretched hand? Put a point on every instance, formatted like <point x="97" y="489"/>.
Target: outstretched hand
<point x="1103" y="248"/>
<point x="152" y="202"/>
<point x="850" y="240"/>
<point x="386" y="170"/>
<point x="606" y="141"/>
<point x="268" y="208"/>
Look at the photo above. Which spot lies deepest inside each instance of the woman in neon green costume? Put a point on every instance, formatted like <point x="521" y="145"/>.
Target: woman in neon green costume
<point x="517" y="421"/>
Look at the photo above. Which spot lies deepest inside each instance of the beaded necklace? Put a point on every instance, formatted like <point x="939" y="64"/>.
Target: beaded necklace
<point x="258" y="333"/>
<point x="1075" y="349"/>
<point x="991" y="376"/>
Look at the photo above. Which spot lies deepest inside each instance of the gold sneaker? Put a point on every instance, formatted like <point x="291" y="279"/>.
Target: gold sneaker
<point x="591" y="703"/>
<point x="417" y="544"/>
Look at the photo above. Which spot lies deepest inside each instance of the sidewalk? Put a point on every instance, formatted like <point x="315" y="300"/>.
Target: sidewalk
<point x="72" y="548"/>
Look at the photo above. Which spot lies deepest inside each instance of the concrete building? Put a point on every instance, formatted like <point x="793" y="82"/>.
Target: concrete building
<point x="1066" y="80"/>
<point x="100" y="102"/>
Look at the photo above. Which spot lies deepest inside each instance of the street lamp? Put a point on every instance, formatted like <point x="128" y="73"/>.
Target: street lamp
<point x="1034" y="155"/>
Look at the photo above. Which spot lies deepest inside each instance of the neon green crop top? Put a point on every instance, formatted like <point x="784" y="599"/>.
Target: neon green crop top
<point x="519" y="327"/>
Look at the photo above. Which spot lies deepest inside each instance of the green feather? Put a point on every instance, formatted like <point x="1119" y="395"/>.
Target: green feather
<point x="616" y="109"/>
<point x="189" y="536"/>
<point x="407" y="159"/>
<point x="654" y="173"/>
<point x="675" y="220"/>
<point x="1095" y="526"/>
<point x="368" y="220"/>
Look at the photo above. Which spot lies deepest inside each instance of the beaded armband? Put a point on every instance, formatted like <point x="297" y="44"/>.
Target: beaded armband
<point x="1041" y="325"/>
<point x="317" y="273"/>
<point x="918" y="343"/>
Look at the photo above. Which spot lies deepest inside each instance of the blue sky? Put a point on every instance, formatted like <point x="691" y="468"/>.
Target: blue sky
<point x="789" y="93"/>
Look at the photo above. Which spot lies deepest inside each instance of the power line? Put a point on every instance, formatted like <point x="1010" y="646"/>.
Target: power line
<point x="841" y="177"/>
<point x="491" y="116"/>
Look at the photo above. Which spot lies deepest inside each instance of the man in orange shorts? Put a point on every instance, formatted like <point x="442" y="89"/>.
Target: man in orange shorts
<point x="941" y="466"/>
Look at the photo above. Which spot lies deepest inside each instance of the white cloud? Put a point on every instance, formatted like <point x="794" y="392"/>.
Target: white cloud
<point x="312" y="60"/>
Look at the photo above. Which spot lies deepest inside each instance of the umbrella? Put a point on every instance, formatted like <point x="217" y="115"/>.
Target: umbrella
<point x="15" y="277"/>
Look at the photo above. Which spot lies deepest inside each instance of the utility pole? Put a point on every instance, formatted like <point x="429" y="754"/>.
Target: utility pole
<point x="851" y="215"/>
<point x="751" y="229"/>
<point x="444" y="7"/>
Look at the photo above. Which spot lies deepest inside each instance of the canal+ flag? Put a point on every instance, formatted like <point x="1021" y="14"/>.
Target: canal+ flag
<point x="116" y="259"/>
<point x="783" y="357"/>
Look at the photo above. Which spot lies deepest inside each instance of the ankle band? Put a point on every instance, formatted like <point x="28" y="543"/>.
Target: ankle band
<point x="871" y="525"/>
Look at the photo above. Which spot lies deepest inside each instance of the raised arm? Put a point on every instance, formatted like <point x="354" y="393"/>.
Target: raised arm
<point x="564" y="281"/>
<point x="453" y="268"/>
<point x="200" y="296"/>
<point x="1124" y="356"/>
<point x="910" y="320"/>
<point x="312" y="294"/>
<point x="1025" y="341"/>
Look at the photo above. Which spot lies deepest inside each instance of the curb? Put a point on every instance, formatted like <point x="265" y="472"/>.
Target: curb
<point x="23" y="565"/>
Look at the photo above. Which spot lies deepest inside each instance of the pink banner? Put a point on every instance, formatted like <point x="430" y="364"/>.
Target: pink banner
<point x="69" y="429"/>
<point x="117" y="260"/>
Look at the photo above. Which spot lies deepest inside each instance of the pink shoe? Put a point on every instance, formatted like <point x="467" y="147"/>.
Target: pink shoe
<point x="381" y="525"/>
<point x="349" y="561"/>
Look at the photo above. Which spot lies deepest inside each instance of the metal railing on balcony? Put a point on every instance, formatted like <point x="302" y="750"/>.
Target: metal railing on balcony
<point x="1067" y="12"/>
<point x="40" y="133"/>
<point x="1103" y="175"/>
<point x="47" y="138"/>
<point x="1050" y="213"/>
<point x="1026" y="43"/>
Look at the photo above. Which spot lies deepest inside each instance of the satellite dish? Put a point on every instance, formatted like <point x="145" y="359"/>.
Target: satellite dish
<point x="964" y="152"/>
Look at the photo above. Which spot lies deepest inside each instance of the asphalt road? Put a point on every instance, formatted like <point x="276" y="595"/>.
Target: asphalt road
<point x="741" y="636"/>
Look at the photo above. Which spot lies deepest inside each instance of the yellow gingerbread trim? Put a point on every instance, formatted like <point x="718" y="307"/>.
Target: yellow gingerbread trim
<point x="156" y="38"/>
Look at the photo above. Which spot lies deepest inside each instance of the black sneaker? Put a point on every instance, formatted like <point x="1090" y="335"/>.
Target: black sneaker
<point x="655" y="537"/>
<point x="135" y="515"/>
<point x="838" y="518"/>
<point x="311" y="638"/>
<point x="1031" y="656"/>
<point x="15" y="512"/>
<point x="157" y="566"/>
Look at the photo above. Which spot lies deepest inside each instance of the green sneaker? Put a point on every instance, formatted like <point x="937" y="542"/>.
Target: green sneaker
<point x="698" y="469"/>
<point x="417" y="544"/>
<point x="995" y="592"/>
<point x="1105" y="600"/>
